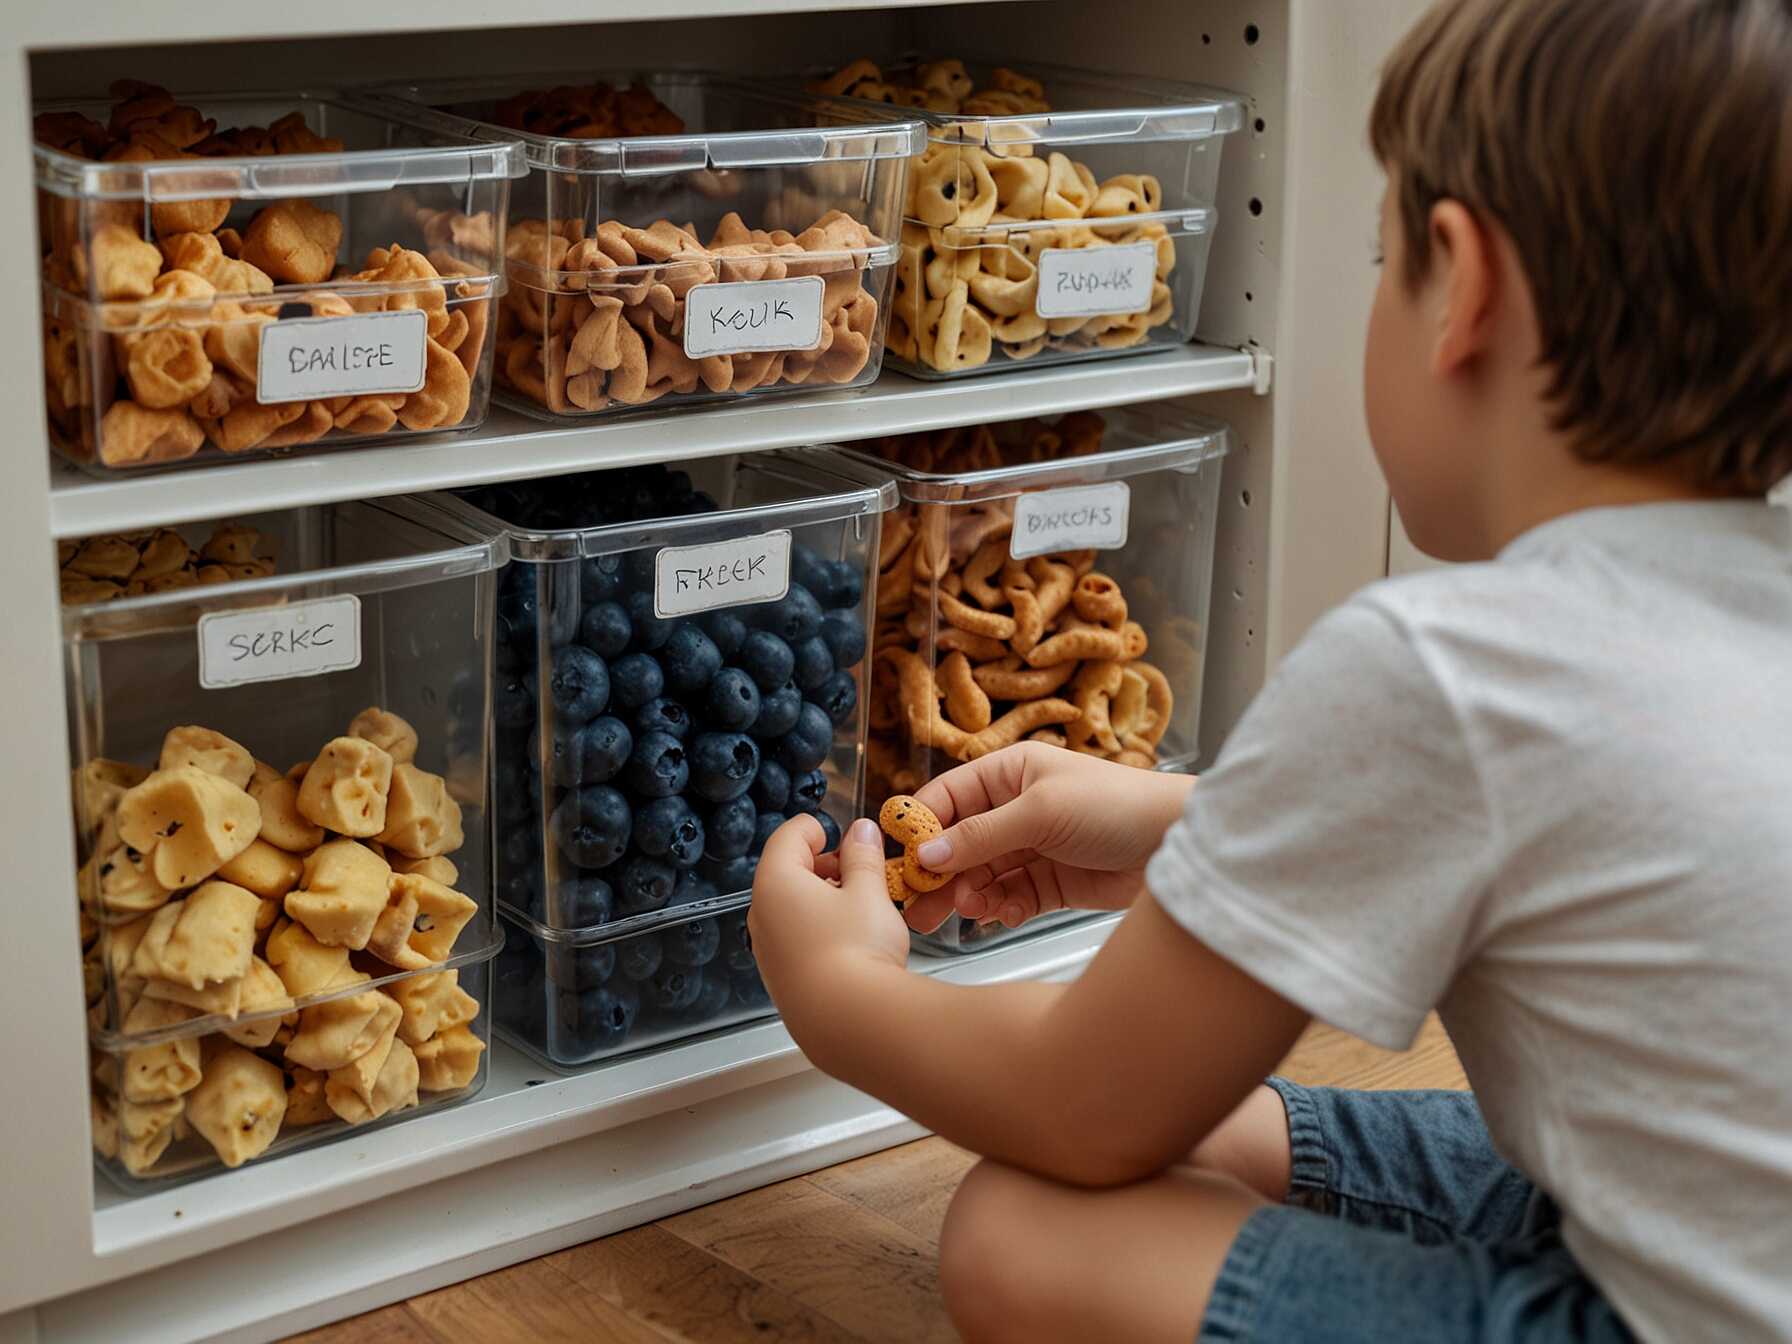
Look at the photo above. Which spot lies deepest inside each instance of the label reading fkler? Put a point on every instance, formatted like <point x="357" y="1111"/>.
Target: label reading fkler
<point x="757" y="315"/>
<point x="1096" y="281"/>
<point x="690" y="579"/>
<point x="369" y="354"/>
<point x="301" y="639"/>
<point x="1076" y="518"/>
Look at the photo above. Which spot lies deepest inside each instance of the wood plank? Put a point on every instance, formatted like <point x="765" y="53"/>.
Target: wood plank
<point x="687" y="1293"/>
<point x="388" y="1325"/>
<point x="1327" y="1057"/>
<point x="910" y="1185"/>
<point x="531" y="1301"/>
<point x="872" y="1276"/>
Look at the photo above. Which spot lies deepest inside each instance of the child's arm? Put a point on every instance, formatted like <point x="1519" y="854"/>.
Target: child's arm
<point x="1099" y="1082"/>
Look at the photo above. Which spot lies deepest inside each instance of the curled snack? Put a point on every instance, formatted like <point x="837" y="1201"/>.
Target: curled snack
<point x="911" y="823"/>
<point x="1011" y="679"/>
<point x="967" y="617"/>
<point x="919" y="698"/>
<point x="1029" y="619"/>
<point x="1098" y="598"/>
<point x="1077" y="645"/>
<point x="1096" y="684"/>
<point x="977" y="648"/>
<point x="1160" y="700"/>
<point x="1127" y="710"/>
<point x="966" y="703"/>
<point x="1017" y="723"/>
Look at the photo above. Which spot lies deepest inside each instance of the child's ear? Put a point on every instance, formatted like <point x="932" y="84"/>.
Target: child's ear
<point x="1467" y="286"/>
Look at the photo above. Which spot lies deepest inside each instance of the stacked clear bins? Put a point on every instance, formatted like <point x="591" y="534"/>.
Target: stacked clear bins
<point x="1054" y="214"/>
<point x="683" y="237"/>
<point x="279" y="725"/>
<point x="1043" y="581"/>
<point x="679" y="671"/>
<point x="245" y="274"/>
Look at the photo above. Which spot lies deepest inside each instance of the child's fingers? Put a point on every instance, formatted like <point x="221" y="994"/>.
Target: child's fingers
<point x="792" y="848"/>
<point x="982" y="838"/>
<point x="930" y="910"/>
<point x="862" y="858"/>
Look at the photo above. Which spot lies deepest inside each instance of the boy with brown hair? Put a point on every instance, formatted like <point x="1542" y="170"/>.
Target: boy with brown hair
<point x="1548" y="794"/>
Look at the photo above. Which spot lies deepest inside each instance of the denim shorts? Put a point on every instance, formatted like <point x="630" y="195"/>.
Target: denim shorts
<point x="1402" y="1223"/>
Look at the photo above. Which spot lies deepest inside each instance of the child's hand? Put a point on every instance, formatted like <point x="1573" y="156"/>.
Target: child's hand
<point x="812" y="938"/>
<point x="1031" y="829"/>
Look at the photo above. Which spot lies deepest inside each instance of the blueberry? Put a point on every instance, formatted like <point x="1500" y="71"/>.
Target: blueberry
<point x="701" y="501"/>
<point x="516" y="610"/>
<point x="591" y="826"/>
<point x="593" y="752"/>
<point x="793" y="617"/>
<point x="806" y="746"/>
<point x="638" y="566"/>
<point x="580" y="684"/>
<point x="582" y="967"/>
<point x="600" y="578"/>
<point x="520" y="993"/>
<point x="737" y="943"/>
<point x="725" y="630"/>
<point x="830" y="829"/>
<point x="602" y="1018"/>
<point x="838" y="697"/>
<point x="778" y="711"/>
<point x="808" y="791"/>
<point x="723" y="765"/>
<point x="651" y="632"/>
<point x="844" y="634"/>
<point x="843" y="587"/>
<point x="767" y="659"/>
<point x="712" y="1001"/>
<point x="807" y="567"/>
<point x="814" y="664"/>
<point x="676" y="988"/>
<point x="635" y="678"/>
<point x="657" y="767"/>
<point x="729" y="833"/>
<point x="644" y="884"/>
<point x="513" y="705"/>
<point x="730" y="875"/>
<point x="558" y="603"/>
<point x="667" y="829"/>
<point x="660" y="715"/>
<point x="690" y="659"/>
<point x="606" y="628"/>
<point x="771" y="787"/>
<point x="583" y="903"/>
<point x="763" y="828"/>
<point x="749" y="990"/>
<point x="693" y="944"/>
<point x="640" y="957"/>
<point x="732" y="702"/>
<point x="693" y="887"/>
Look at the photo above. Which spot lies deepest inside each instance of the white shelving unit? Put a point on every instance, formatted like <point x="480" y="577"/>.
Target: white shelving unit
<point x="537" y="1161"/>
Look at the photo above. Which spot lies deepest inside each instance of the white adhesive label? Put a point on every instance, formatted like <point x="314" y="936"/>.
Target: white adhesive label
<point x="754" y="315"/>
<point x="1096" y="281"/>
<point x="300" y="639"/>
<point x="1076" y="518"/>
<point x="688" y="579"/>
<point x="305" y="358"/>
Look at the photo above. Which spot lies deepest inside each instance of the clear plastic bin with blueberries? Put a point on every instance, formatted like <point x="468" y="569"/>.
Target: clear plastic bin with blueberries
<point x="680" y="668"/>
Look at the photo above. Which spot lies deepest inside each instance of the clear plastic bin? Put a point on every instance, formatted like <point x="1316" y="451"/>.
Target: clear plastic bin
<point x="198" y="717"/>
<point x="188" y="1106"/>
<point x="749" y="251"/>
<point x="176" y="275"/>
<point x="1035" y="236"/>
<point x="1044" y="580"/>
<point x="572" y="998"/>
<point x="670" y="688"/>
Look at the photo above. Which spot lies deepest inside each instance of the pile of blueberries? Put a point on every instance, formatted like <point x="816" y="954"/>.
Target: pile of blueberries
<point x="641" y="762"/>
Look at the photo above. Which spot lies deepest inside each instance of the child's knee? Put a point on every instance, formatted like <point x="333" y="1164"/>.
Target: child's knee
<point x="985" y="1229"/>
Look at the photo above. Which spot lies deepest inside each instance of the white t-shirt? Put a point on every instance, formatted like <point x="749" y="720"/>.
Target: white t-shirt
<point x="1551" y="796"/>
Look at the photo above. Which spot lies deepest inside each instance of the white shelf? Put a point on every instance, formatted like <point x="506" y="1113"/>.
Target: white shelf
<point x="523" y="1110"/>
<point x="510" y="446"/>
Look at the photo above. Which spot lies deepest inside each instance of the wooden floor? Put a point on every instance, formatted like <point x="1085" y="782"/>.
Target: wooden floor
<point x="845" y="1254"/>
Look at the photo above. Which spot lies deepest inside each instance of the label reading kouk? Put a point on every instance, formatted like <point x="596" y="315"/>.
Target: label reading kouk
<point x="1096" y="281"/>
<point x="753" y="316"/>
<point x="689" y="579"/>
<point x="369" y="354"/>
<point x="300" y="639"/>
<point x="1076" y="518"/>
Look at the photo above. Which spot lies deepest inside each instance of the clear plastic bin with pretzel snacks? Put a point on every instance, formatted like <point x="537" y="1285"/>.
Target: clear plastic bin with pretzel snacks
<point x="681" y="238"/>
<point x="248" y="274"/>
<point x="1054" y="214"/>
<point x="1043" y="581"/>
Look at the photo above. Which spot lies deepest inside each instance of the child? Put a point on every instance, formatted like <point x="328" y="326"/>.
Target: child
<point x="1548" y="794"/>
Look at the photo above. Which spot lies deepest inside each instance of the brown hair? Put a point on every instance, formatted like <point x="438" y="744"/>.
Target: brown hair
<point x="1639" y="154"/>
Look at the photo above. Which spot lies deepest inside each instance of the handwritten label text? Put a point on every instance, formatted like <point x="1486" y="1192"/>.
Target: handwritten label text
<point x="1076" y="518"/>
<point x="690" y="579"/>
<point x="1096" y="281"/>
<point x="300" y="639"/>
<point x="304" y="358"/>
<point x="734" y="319"/>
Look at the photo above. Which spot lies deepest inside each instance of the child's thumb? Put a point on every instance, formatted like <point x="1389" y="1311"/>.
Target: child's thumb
<point x="862" y="856"/>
